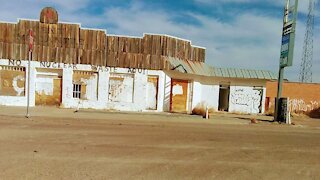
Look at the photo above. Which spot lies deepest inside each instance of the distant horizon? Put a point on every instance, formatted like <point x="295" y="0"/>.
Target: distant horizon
<point x="235" y="33"/>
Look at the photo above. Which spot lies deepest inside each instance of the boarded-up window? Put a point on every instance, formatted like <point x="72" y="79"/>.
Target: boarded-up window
<point x="89" y="84"/>
<point x="49" y="87"/>
<point x="12" y="81"/>
<point x="152" y="92"/>
<point x="121" y="87"/>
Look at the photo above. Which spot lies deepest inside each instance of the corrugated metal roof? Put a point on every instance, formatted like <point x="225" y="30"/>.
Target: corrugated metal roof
<point x="203" y="69"/>
<point x="243" y="73"/>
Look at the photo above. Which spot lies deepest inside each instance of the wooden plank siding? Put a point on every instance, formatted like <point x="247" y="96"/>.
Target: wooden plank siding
<point x="71" y="44"/>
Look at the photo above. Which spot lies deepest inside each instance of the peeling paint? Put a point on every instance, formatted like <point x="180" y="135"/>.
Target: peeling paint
<point x="15" y="84"/>
<point x="121" y="88"/>
<point x="177" y="90"/>
<point x="152" y="93"/>
<point x="44" y="86"/>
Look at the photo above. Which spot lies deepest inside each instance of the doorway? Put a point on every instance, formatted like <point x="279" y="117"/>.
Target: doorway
<point x="179" y="96"/>
<point x="224" y="93"/>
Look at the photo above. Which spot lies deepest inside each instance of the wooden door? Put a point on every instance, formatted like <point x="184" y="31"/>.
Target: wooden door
<point x="179" y="96"/>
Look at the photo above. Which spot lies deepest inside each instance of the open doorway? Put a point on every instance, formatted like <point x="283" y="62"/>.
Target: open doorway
<point x="224" y="93"/>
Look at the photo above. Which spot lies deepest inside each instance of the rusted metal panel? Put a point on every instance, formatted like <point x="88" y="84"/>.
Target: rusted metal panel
<point x="12" y="81"/>
<point x="152" y="92"/>
<point x="179" y="96"/>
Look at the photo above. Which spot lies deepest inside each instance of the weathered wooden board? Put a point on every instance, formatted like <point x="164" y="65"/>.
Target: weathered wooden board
<point x="68" y="43"/>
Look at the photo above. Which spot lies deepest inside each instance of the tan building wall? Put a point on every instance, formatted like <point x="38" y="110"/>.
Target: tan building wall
<point x="303" y="97"/>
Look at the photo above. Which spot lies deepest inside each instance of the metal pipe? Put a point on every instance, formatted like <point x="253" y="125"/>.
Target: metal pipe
<point x="29" y="71"/>
<point x="28" y="94"/>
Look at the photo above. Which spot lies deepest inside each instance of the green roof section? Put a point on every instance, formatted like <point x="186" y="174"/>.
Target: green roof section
<point x="199" y="68"/>
<point x="243" y="73"/>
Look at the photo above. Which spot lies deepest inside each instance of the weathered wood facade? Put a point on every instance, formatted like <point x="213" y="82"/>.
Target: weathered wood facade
<point x="71" y="44"/>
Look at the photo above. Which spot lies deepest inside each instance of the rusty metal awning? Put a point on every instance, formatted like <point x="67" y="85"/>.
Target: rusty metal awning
<point x="199" y="68"/>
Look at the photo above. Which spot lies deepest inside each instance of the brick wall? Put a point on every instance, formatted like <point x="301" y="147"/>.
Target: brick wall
<point x="304" y="97"/>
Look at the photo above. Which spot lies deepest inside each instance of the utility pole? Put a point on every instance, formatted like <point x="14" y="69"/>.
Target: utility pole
<point x="29" y="70"/>
<point x="287" y="46"/>
<point x="307" y="55"/>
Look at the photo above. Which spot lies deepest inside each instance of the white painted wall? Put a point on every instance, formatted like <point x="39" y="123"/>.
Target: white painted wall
<point x="205" y="95"/>
<point x="91" y="87"/>
<point x="245" y="100"/>
<point x="167" y="92"/>
<point x="121" y="87"/>
<point x="210" y="96"/>
<point x="198" y="93"/>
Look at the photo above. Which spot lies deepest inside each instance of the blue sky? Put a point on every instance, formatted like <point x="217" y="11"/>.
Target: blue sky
<point x="236" y="33"/>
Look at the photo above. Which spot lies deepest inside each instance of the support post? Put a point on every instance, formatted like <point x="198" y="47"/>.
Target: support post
<point x="279" y="94"/>
<point x="29" y="71"/>
<point x="287" y="46"/>
<point x="28" y="95"/>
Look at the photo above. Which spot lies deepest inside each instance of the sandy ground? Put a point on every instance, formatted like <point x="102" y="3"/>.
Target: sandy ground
<point x="60" y="144"/>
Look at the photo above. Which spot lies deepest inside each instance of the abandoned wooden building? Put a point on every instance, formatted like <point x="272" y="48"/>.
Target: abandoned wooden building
<point x="75" y="67"/>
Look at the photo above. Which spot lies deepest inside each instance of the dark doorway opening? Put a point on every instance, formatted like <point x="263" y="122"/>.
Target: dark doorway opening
<point x="224" y="94"/>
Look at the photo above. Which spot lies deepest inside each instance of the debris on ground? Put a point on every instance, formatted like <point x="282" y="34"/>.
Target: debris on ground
<point x="254" y="121"/>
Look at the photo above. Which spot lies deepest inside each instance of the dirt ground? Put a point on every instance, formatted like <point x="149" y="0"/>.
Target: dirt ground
<point x="60" y="144"/>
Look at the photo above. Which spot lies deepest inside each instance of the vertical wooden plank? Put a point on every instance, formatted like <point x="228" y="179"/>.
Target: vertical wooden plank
<point x="1" y="31"/>
<point x="94" y="39"/>
<point x="1" y="50"/>
<point x="77" y="36"/>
